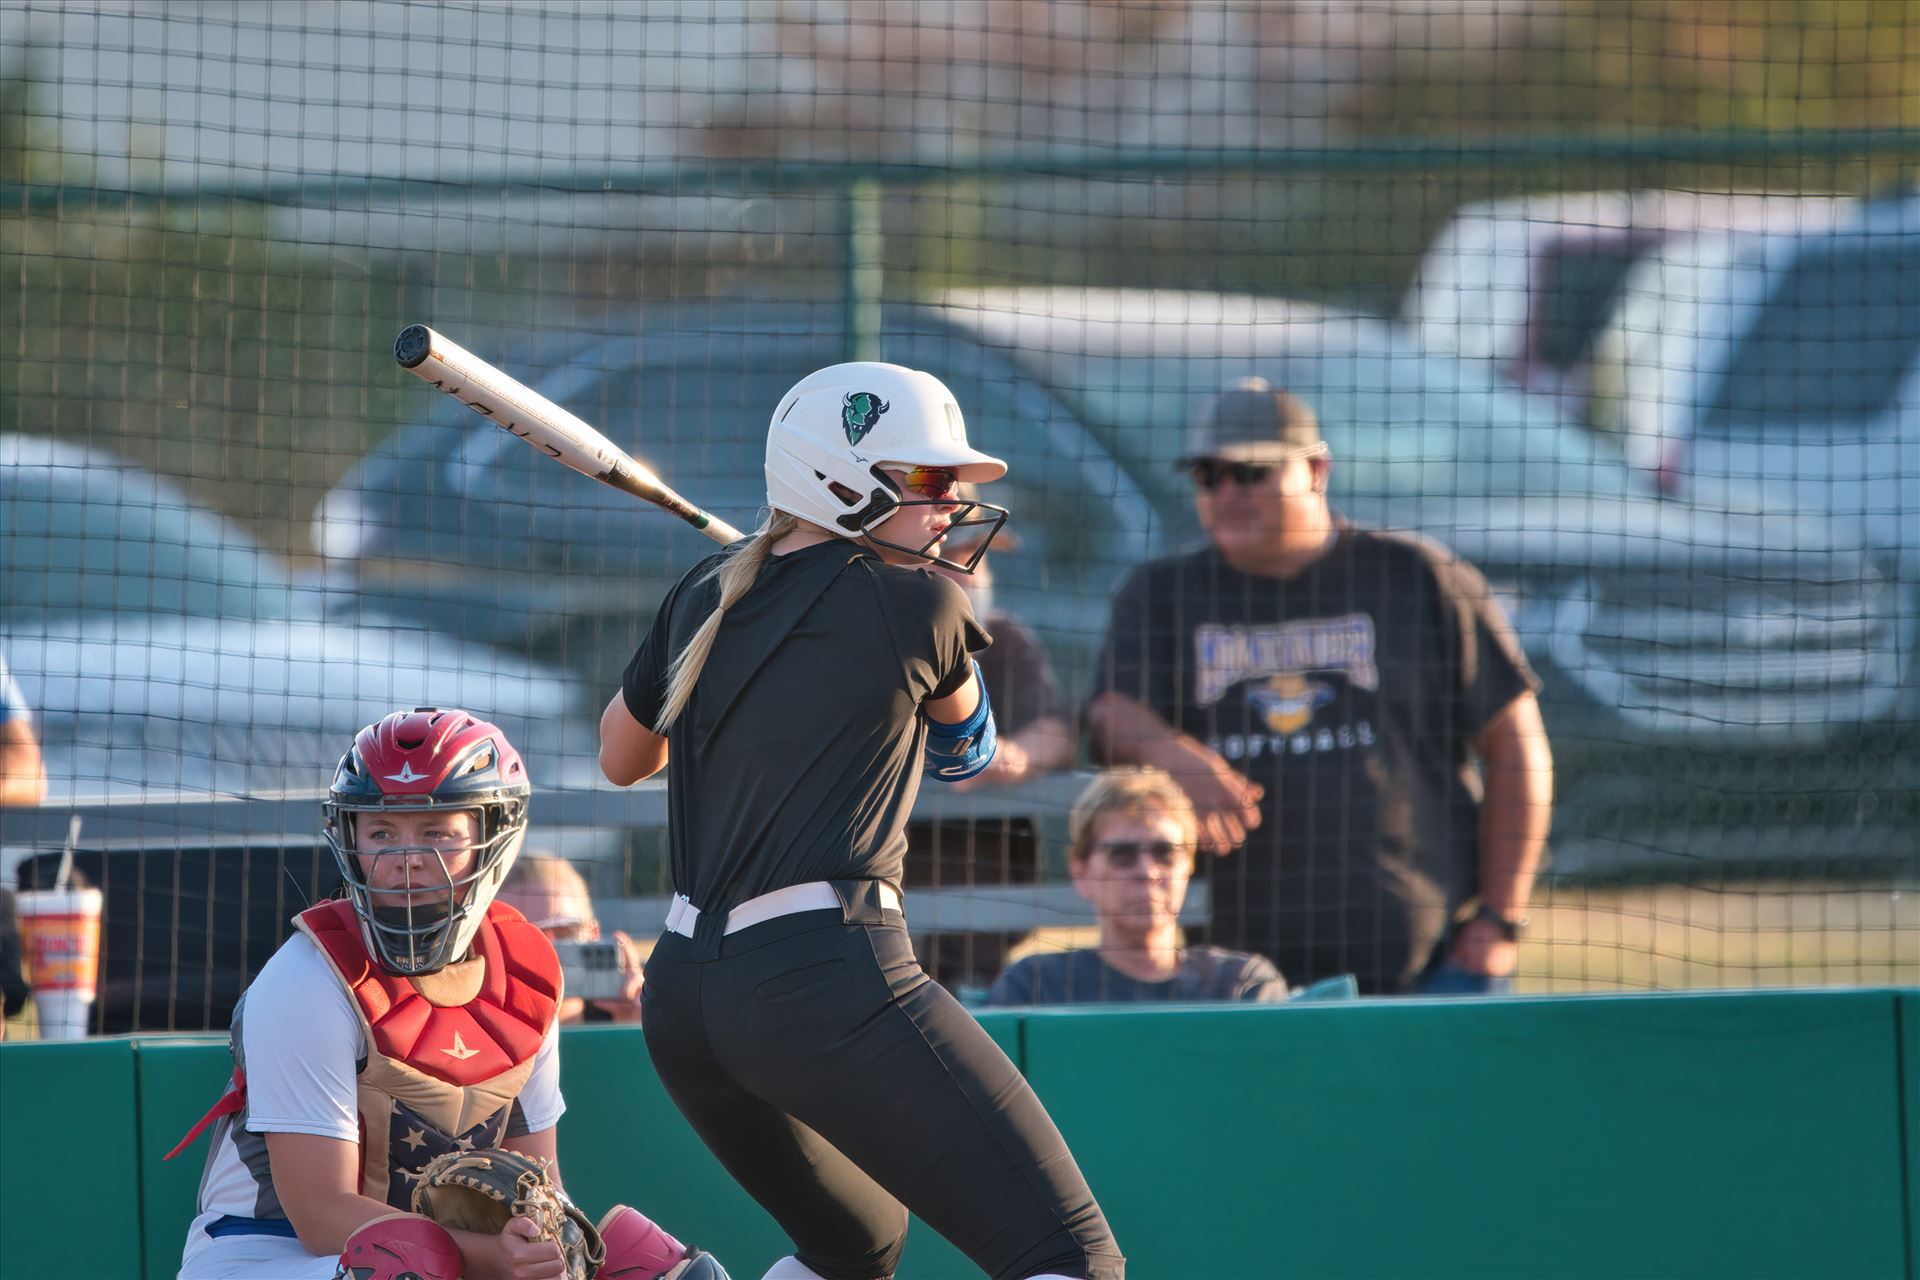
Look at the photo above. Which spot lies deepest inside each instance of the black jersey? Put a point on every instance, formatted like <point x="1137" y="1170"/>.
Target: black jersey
<point x="1352" y="691"/>
<point x="798" y="756"/>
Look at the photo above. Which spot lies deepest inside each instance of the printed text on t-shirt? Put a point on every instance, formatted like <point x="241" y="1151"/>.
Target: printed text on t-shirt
<point x="1225" y="656"/>
<point x="1251" y="746"/>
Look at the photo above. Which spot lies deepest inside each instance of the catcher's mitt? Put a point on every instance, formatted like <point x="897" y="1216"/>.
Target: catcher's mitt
<point x="480" y="1190"/>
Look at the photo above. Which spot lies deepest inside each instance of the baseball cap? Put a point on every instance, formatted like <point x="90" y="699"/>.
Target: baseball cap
<point x="1252" y="421"/>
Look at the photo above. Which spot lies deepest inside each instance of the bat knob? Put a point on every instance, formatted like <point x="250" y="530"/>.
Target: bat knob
<point x="413" y="345"/>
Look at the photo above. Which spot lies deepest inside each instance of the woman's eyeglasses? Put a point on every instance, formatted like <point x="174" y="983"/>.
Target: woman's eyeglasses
<point x="1209" y="472"/>
<point x="564" y="928"/>
<point x="937" y="483"/>
<point x="1123" y="854"/>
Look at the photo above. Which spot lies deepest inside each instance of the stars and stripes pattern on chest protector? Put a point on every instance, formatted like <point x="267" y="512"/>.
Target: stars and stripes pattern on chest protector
<point x="447" y="1052"/>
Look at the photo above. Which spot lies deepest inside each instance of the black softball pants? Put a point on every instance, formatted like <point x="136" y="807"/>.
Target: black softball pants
<point x="842" y="1087"/>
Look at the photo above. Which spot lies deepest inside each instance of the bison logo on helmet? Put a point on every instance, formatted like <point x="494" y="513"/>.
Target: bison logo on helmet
<point x="859" y="411"/>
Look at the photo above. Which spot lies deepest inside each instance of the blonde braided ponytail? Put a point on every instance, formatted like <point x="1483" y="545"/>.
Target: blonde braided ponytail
<point x="736" y="575"/>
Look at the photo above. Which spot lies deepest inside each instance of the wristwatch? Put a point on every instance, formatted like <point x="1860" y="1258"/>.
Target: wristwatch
<point x="1506" y="926"/>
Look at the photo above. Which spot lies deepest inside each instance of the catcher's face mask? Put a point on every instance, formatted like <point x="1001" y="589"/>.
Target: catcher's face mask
<point x="418" y="874"/>
<point x="426" y="814"/>
<point x="417" y="870"/>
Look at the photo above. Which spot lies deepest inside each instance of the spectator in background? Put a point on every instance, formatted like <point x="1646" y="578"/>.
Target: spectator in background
<point x="1348" y="708"/>
<point x="23" y="775"/>
<point x="551" y="894"/>
<point x="13" y="978"/>
<point x="1132" y="837"/>
<point x="1028" y="707"/>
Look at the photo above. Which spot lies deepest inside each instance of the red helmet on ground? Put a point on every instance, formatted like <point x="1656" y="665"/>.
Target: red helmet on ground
<point x="421" y="761"/>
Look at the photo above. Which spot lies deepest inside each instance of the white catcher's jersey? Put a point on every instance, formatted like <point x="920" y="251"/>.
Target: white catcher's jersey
<point x="300" y="1042"/>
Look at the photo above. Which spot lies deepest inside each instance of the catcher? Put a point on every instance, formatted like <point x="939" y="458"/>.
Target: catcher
<point x="396" y="1076"/>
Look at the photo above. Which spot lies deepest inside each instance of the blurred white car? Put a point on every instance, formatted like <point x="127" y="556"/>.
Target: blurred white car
<point x="162" y="650"/>
<point x="1790" y="361"/>
<point x="1525" y="283"/>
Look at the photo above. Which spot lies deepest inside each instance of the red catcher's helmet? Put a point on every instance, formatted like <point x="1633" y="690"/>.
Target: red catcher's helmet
<point x="428" y="760"/>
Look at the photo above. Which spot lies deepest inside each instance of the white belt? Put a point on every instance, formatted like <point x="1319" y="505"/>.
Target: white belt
<point x="815" y="895"/>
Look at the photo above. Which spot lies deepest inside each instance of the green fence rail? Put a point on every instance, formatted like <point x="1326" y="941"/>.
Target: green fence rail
<point x="860" y="187"/>
<point x="1755" y="1134"/>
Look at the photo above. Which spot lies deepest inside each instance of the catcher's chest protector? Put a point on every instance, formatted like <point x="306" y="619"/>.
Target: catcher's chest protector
<point x="447" y="1053"/>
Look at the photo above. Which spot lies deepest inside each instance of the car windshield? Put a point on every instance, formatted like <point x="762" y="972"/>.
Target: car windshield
<point x="1578" y="281"/>
<point x="79" y="539"/>
<point x="1399" y="423"/>
<point x="1827" y="354"/>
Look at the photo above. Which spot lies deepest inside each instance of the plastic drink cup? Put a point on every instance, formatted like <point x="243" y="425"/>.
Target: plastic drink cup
<point x="60" y="941"/>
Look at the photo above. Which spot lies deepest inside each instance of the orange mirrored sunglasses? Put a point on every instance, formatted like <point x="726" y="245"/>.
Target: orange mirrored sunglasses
<point x="938" y="483"/>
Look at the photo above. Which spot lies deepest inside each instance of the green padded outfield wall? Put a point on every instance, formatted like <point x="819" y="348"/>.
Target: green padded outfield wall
<point x="1710" y="1135"/>
<point x="1909" y="1120"/>
<point x="180" y="1077"/>
<point x="69" y="1168"/>
<point x="621" y="1140"/>
<point x="1679" y="1135"/>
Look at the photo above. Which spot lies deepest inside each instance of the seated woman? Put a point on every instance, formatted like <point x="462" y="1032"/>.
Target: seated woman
<point x="1133" y="834"/>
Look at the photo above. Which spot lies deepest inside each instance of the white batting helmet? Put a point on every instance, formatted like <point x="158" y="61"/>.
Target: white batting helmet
<point x="834" y="431"/>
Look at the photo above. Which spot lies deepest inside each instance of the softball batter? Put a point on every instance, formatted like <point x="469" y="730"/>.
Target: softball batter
<point x="802" y="682"/>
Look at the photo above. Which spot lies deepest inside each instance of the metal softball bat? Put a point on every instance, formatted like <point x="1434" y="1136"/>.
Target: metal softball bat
<point x="519" y="410"/>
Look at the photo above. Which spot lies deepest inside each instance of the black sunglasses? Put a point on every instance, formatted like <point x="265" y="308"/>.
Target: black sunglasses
<point x="1209" y="472"/>
<point x="1123" y="854"/>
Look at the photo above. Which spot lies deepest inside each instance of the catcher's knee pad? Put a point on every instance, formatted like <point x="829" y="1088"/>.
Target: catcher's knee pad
<point x="400" y="1245"/>
<point x="638" y="1249"/>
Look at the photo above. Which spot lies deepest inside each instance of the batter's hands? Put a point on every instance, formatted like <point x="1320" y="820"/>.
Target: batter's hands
<point x="524" y="1255"/>
<point x="1226" y="802"/>
<point x="1479" y="947"/>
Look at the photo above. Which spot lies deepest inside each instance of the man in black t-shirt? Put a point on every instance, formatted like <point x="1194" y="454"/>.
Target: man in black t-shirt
<point x="1348" y="709"/>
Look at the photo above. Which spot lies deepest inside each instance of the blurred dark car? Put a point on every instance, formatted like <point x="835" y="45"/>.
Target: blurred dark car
<point x="459" y="524"/>
<point x="1711" y="670"/>
<point x="161" y="649"/>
